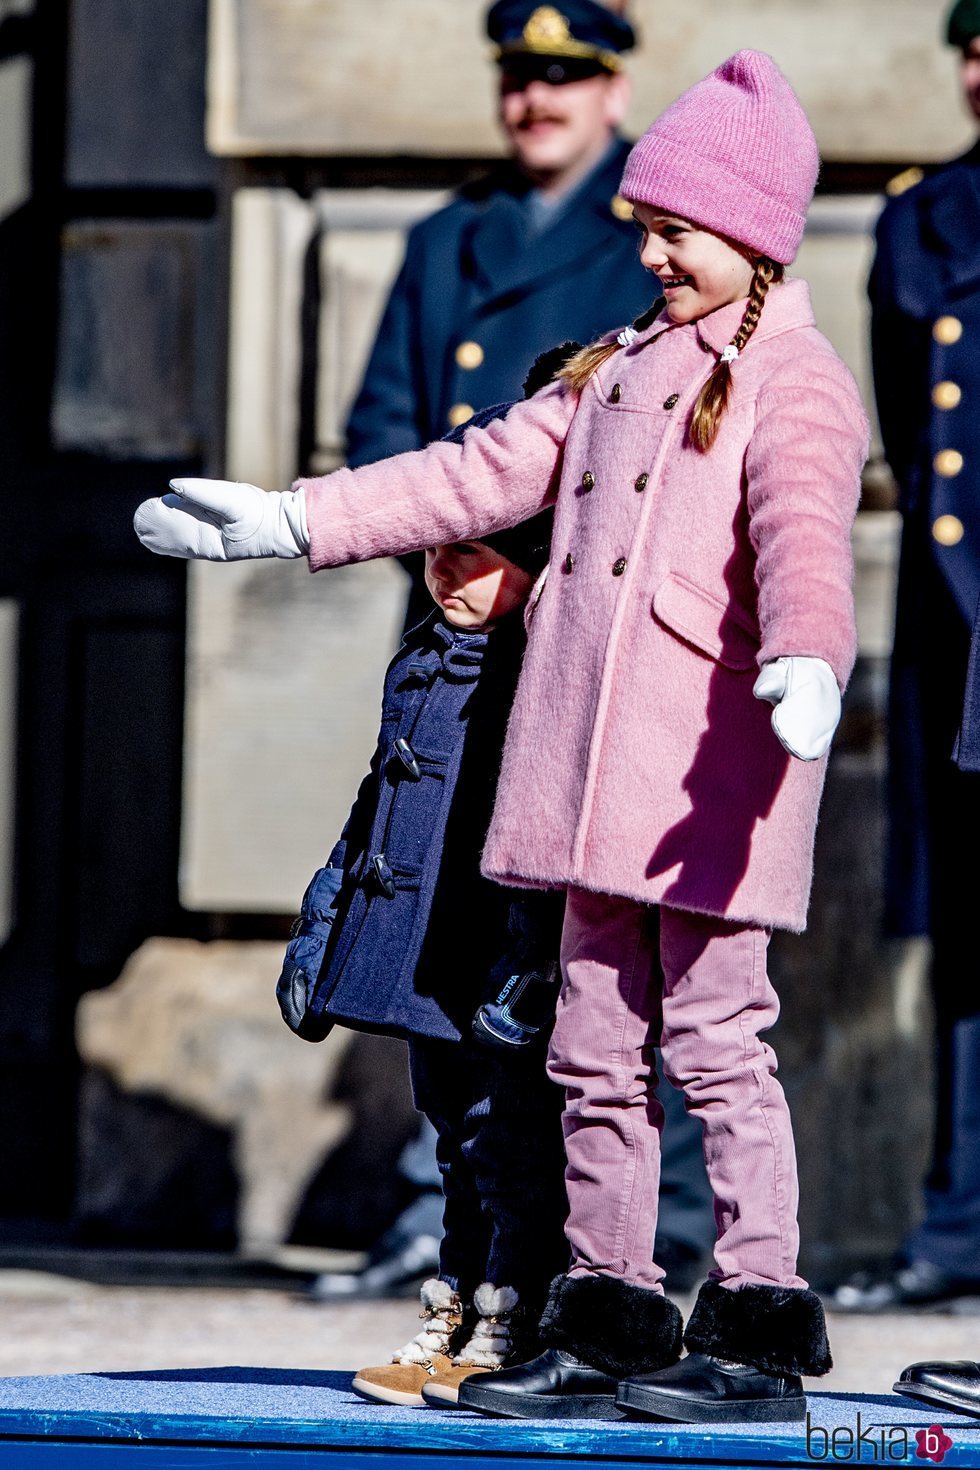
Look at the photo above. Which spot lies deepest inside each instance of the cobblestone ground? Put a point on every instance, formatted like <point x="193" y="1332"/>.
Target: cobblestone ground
<point x="55" y="1325"/>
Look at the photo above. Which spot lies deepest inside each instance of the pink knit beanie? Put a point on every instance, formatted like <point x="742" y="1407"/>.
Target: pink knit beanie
<point x="736" y="154"/>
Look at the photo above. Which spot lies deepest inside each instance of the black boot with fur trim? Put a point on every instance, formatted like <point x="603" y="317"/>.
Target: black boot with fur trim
<point x="747" y="1346"/>
<point x="594" y="1331"/>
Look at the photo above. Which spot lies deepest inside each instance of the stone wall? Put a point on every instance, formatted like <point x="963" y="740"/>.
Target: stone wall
<point x="411" y="76"/>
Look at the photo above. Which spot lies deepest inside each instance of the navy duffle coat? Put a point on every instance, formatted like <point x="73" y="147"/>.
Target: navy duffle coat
<point x="417" y="932"/>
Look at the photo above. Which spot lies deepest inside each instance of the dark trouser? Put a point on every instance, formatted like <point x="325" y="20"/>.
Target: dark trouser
<point x="949" y="1235"/>
<point x="929" y="671"/>
<point x="498" y="1121"/>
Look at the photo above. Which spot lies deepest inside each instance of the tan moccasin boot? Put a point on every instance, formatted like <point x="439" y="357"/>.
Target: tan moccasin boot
<point x="429" y="1352"/>
<point x="490" y="1345"/>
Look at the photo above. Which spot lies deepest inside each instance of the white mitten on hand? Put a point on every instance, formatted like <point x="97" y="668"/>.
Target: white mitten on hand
<point x="224" y="520"/>
<point x="807" y="704"/>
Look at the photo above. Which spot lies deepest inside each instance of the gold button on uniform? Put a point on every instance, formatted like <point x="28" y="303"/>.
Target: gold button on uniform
<point x="619" y="566"/>
<point x="672" y="401"/>
<point x="588" y="480"/>
<point x="621" y="207"/>
<point x="469" y="354"/>
<point x="640" y="483"/>
<point x="460" y="413"/>
<point x="947" y="395"/>
<point x="948" y="463"/>
<point x="569" y="563"/>
<point x="947" y="330"/>
<point x="948" y="530"/>
<point x="615" y="393"/>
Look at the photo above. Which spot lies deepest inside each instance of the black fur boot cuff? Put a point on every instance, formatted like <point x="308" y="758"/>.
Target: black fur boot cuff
<point x="611" y="1324"/>
<point x="778" y="1329"/>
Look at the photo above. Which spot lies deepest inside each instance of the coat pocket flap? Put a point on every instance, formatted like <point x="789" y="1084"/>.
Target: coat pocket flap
<point x="726" y="633"/>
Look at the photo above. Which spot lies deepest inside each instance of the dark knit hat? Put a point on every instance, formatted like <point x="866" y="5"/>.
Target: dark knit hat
<point x="526" y="545"/>
<point x="963" y="25"/>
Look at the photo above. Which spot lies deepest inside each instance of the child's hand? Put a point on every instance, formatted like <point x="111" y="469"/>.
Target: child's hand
<point x="223" y="520"/>
<point x="807" y="704"/>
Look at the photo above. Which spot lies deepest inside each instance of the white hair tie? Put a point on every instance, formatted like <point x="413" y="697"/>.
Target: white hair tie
<point x="729" y="353"/>
<point x="627" y="336"/>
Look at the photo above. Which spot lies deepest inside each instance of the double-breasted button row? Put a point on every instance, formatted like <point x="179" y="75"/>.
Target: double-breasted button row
<point x="639" y="484"/>
<point x="618" y="566"/>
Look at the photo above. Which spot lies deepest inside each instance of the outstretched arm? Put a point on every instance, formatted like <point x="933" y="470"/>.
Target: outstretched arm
<point x="495" y="477"/>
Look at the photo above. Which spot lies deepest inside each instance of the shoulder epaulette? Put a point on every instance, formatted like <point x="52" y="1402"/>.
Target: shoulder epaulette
<point x="904" y="181"/>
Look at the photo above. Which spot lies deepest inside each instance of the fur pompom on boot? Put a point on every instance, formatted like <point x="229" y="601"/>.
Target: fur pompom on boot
<point x="778" y="1329"/>
<point x="429" y="1352"/>
<point x="611" y="1324"/>
<point x="499" y="1338"/>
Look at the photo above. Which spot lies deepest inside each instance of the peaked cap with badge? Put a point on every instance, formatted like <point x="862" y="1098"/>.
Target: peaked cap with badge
<point x="580" y="29"/>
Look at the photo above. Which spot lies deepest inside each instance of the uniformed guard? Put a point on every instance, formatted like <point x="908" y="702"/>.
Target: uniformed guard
<point x="925" y="297"/>
<point x="539" y="251"/>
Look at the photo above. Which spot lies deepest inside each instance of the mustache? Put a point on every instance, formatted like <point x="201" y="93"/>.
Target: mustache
<point x="535" y="115"/>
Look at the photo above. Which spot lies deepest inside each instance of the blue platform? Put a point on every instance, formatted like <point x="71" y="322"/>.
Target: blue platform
<point x="283" y="1419"/>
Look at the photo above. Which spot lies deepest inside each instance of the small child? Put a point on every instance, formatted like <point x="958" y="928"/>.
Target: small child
<point x="399" y="933"/>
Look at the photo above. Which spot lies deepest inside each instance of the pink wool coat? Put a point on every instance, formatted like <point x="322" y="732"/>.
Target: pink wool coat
<point x="637" y="761"/>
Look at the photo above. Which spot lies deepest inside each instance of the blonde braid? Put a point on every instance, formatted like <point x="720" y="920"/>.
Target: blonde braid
<point x="713" y="398"/>
<point x="579" y="369"/>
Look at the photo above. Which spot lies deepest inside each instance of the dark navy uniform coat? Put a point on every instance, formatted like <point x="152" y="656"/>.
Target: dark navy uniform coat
<point x="413" y="933"/>
<point x="479" y="297"/>
<point x="925" y="295"/>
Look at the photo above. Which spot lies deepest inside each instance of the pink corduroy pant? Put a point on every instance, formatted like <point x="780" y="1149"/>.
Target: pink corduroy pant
<point x="707" y="1010"/>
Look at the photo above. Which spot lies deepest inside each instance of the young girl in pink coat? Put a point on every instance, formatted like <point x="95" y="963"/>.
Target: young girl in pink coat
<point x="666" y="750"/>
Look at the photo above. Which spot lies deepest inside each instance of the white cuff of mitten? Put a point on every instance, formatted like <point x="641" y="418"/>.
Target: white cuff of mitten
<point x="224" y="520"/>
<point x="806" y="697"/>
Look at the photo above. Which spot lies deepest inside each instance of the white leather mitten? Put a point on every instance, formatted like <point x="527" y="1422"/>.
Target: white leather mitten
<point x="807" y="704"/>
<point x="223" y="520"/>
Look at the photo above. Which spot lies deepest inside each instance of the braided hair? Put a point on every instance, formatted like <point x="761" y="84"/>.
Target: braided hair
<point x="579" y="369"/>
<point x="713" y="398"/>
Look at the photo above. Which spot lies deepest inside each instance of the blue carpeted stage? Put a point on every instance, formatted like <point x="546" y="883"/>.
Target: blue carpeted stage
<point x="284" y="1419"/>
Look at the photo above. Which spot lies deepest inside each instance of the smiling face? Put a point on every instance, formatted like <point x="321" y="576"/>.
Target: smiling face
<point x="558" y="130"/>
<point x="970" y="75"/>
<point x="699" y="271"/>
<point x="473" y="584"/>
